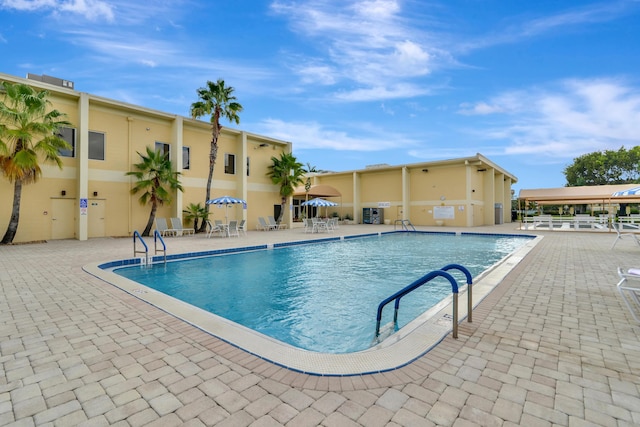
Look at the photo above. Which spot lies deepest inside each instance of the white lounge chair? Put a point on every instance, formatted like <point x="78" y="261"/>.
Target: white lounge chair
<point x="176" y="224"/>
<point x="163" y="228"/>
<point x="273" y="223"/>
<point x="262" y="225"/>
<point x="618" y="227"/>
<point x="629" y="289"/>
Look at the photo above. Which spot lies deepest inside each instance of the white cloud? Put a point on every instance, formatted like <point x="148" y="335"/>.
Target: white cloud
<point x="565" y="120"/>
<point x="92" y="10"/>
<point x="312" y="135"/>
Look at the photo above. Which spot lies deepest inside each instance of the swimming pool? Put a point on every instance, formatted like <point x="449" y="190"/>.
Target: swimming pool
<point x="323" y="297"/>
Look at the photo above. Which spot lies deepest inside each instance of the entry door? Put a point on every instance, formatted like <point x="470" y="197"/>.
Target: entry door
<point x="63" y="221"/>
<point x="96" y="218"/>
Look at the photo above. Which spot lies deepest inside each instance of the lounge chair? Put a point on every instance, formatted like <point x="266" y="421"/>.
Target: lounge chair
<point x="629" y="289"/>
<point x="618" y="227"/>
<point x="242" y="227"/>
<point x="163" y="228"/>
<point x="176" y="224"/>
<point x="232" y="229"/>
<point x="273" y="223"/>
<point x="262" y="225"/>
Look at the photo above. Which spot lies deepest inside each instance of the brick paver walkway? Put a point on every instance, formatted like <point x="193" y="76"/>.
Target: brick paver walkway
<point x="553" y="345"/>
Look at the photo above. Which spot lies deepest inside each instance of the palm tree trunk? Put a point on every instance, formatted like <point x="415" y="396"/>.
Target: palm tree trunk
<point x="283" y="205"/>
<point x="213" y="155"/>
<point x="152" y="217"/>
<point x="12" y="228"/>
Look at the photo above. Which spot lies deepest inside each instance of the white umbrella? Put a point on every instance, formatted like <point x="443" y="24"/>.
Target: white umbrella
<point x="318" y="203"/>
<point x="226" y="200"/>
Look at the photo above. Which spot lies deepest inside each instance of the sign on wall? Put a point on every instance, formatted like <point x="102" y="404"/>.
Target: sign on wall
<point x="84" y="204"/>
<point x="384" y="204"/>
<point x="443" y="212"/>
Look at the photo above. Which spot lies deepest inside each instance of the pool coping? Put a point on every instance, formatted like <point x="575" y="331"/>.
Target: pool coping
<point x="400" y="349"/>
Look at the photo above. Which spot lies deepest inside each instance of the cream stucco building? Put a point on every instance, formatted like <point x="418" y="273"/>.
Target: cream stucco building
<point x="90" y="197"/>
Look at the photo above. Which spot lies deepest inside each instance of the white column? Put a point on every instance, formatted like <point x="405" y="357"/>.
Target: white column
<point x="82" y="179"/>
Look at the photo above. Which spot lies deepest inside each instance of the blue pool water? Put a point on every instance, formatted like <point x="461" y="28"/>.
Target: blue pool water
<point x="323" y="297"/>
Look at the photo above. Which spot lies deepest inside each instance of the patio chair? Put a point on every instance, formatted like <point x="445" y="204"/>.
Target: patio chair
<point x="232" y="230"/>
<point x="618" y="227"/>
<point x="163" y="228"/>
<point x="308" y="225"/>
<point x="176" y="224"/>
<point x="242" y="227"/>
<point x="629" y="289"/>
<point x="319" y="225"/>
<point x="214" y="228"/>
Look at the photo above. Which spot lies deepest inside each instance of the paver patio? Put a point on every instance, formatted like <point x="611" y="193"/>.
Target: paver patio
<point x="553" y="345"/>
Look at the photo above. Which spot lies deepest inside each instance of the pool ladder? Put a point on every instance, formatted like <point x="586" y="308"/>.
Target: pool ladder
<point x="146" y="261"/>
<point x="443" y="272"/>
<point x="405" y="223"/>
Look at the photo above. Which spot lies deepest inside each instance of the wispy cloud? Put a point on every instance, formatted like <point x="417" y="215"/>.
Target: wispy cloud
<point x="366" y="43"/>
<point x="564" y="120"/>
<point x="93" y="10"/>
<point x="310" y="135"/>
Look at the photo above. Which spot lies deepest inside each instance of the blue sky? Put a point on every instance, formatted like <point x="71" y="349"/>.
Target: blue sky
<point x="531" y="85"/>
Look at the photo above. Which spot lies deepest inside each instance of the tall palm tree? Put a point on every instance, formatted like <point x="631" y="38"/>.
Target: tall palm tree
<point x="154" y="173"/>
<point x="28" y="132"/>
<point x="288" y="173"/>
<point x="216" y="100"/>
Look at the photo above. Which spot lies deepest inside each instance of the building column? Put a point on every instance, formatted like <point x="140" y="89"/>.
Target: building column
<point x="243" y="179"/>
<point x="176" y="154"/>
<point x="82" y="178"/>
<point x="357" y="208"/>
<point x="406" y="193"/>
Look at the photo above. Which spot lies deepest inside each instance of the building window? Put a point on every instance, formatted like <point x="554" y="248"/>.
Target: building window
<point x="164" y="149"/>
<point x="247" y="166"/>
<point x="96" y="145"/>
<point x="230" y="164"/>
<point x="186" y="161"/>
<point x="69" y="135"/>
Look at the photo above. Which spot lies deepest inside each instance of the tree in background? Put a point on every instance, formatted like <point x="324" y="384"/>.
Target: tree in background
<point x="286" y="172"/>
<point x="196" y="212"/>
<point x="154" y="173"/>
<point x="27" y="131"/>
<point x="218" y="101"/>
<point x="605" y="167"/>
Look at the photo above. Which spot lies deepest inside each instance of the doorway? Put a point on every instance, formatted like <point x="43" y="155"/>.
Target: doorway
<point x="63" y="220"/>
<point x="96" y="218"/>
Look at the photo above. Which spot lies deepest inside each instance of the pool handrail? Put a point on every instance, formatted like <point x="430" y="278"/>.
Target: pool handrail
<point x="137" y="236"/>
<point x="423" y="280"/>
<point x="156" y="237"/>
<point x="467" y="275"/>
<point x="405" y="223"/>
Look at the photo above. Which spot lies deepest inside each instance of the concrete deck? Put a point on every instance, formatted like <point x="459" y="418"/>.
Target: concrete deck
<point x="552" y="345"/>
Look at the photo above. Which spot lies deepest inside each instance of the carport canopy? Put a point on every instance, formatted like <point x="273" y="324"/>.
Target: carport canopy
<point x="578" y="195"/>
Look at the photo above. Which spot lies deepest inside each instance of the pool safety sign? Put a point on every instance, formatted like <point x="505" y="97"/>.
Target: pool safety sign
<point x="84" y="204"/>
<point x="443" y="212"/>
<point x="384" y="205"/>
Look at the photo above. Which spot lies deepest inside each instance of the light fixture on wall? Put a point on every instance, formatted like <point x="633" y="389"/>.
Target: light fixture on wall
<point x="264" y="144"/>
<point x="63" y="193"/>
<point x="482" y="170"/>
<point x="95" y="194"/>
<point x="425" y="170"/>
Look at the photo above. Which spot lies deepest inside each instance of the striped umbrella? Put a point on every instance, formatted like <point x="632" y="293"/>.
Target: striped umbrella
<point x="635" y="191"/>
<point x="226" y="200"/>
<point x="318" y="203"/>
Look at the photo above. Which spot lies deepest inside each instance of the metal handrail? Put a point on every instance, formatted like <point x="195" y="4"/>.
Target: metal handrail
<point x="423" y="280"/>
<point x="467" y="275"/>
<point x="156" y="237"/>
<point x="135" y="249"/>
<point x="404" y="223"/>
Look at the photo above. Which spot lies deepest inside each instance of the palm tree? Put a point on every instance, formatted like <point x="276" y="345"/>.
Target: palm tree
<point x="286" y="172"/>
<point x="195" y="212"/>
<point x="218" y="101"/>
<point x="154" y="173"/>
<point x="27" y="131"/>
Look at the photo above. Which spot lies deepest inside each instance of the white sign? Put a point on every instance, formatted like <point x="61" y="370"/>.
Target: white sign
<point x="443" y="212"/>
<point x="384" y="204"/>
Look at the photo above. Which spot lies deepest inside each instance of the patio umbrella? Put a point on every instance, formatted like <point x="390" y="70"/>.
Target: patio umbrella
<point x="635" y="191"/>
<point x="227" y="201"/>
<point x="318" y="203"/>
